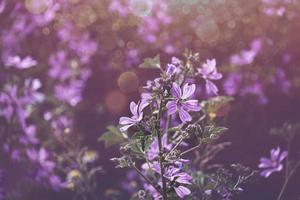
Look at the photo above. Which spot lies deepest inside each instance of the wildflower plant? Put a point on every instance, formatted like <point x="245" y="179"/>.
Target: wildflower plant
<point x="285" y="160"/>
<point x="166" y="125"/>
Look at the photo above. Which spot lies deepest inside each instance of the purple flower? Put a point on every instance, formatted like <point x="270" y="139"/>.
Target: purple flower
<point x="208" y="73"/>
<point x="274" y="164"/>
<point x="174" y="175"/>
<point x="137" y="115"/>
<point x="153" y="151"/>
<point x="181" y="102"/>
<point x="17" y="62"/>
<point x="171" y="70"/>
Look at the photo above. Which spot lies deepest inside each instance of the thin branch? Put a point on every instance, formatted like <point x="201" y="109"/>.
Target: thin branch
<point x="147" y="180"/>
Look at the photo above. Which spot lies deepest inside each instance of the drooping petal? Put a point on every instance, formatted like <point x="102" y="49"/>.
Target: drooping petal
<point x="182" y="191"/>
<point x="188" y="90"/>
<point x="184" y="116"/>
<point x="126" y="120"/>
<point x="211" y="88"/>
<point x="192" y="105"/>
<point x="176" y="91"/>
<point x="266" y="173"/>
<point x="172" y="107"/>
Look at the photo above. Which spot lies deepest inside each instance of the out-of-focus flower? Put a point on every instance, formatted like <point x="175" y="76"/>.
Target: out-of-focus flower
<point x="208" y="73"/>
<point x="273" y="164"/>
<point x="2" y="6"/>
<point x="42" y="157"/>
<point x="153" y="151"/>
<point x="246" y="57"/>
<point x="89" y="156"/>
<point x="17" y="62"/>
<point x="70" y="93"/>
<point x="137" y="112"/>
<point x="72" y="178"/>
<point x="181" y="102"/>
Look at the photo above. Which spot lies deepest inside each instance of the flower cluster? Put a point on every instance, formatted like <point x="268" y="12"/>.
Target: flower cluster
<point x="161" y="123"/>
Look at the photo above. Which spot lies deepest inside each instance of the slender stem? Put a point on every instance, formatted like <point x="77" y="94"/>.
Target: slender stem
<point x="161" y="159"/>
<point x="288" y="158"/>
<point x="146" y="179"/>
<point x="176" y="145"/>
<point x="191" y="149"/>
<point x="287" y="179"/>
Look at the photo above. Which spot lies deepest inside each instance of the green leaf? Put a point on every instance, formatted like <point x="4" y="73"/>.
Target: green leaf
<point x="113" y="136"/>
<point x="211" y="132"/>
<point x="139" y="144"/>
<point x="122" y="162"/>
<point x="151" y="63"/>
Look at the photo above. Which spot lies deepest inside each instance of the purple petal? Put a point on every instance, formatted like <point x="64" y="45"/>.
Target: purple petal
<point x="172" y="107"/>
<point x="171" y="69"/>
<point x="134" y="108"/>
<point x="266" y="173"/>
<point x="165" y="142"/>
<point x="176" y="91"/>
<point x="275" y="153"/>
<point x="215" y="76"/>
<point x="192" y="105"/>
<point x="211" y="88"/>
<point x="126" y="120"/>
<point x="184" y="116"/>
<point x="124" y="128"/>
<point x="183" y="178"/>
<point x="283" y="155"/>
<point x="188" y="90"/>
<point x="43" y="154"/>
<point x="208" y="67"/>
<point x="182" y="191"/>
<point x="264" y="163"/>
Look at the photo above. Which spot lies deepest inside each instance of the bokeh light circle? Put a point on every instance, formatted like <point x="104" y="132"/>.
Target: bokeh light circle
<point x="141" y="8"/>
<point x="128" y="82"/>
<point x="38" y="6"/>
<point x="208" y="30"/>
<point x="115" y="101"/>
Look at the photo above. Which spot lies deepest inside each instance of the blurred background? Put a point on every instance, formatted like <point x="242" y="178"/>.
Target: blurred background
<point x="69" y="68"/>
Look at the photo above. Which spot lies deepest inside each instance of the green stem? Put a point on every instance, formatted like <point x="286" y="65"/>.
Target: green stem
<point x="191" y="149"/>
<point x="146" y="179"/>
<point x="161" y="159"/>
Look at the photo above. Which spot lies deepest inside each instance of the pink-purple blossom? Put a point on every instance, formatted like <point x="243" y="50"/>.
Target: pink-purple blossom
<point x="17" y="62"/>
<point x="182" y="102"/>
<point x="137" y="115"/>
<point x="209" y="72"/>
<point x="273" y="164"/>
